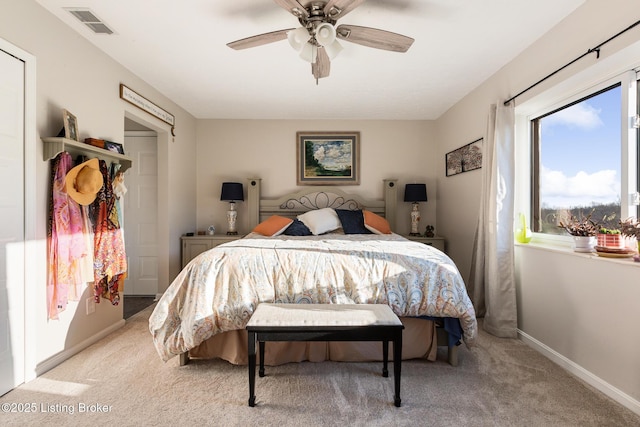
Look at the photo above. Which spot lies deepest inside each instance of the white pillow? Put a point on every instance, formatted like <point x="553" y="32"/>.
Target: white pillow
<point x="321" y="220"/>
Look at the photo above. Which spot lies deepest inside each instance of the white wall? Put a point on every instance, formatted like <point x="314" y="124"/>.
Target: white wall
<point x="234" y="150"/>
<point x="74" y="75"/>
<point x="574" y="308"/>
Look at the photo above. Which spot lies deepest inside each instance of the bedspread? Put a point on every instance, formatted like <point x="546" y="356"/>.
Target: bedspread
<point x="219" y="289"/>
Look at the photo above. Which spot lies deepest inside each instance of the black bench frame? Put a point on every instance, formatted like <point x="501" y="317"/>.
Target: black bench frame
<point x="384" y="333"/>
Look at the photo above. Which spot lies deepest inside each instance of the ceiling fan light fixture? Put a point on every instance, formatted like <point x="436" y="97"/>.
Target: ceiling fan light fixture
<point x="333" y="49"/>
<point x="325" y="34"/>
<point x="298" y="37"/>
<point x="309" y="52"/>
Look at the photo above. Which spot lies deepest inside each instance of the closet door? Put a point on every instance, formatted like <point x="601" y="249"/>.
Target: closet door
<point x="12" y="226"/>
<point x="141" y="214"/>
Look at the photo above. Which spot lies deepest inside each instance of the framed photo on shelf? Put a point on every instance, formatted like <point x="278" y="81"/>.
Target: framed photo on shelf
<point x="328" y="158"/>
<point x="70" y="125"/>
<point x="114" y="146"/>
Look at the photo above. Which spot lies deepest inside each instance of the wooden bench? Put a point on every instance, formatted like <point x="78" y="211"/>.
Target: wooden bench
<point x="325" y="322"/>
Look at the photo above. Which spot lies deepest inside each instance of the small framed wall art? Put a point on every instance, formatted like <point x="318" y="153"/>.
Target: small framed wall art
<point x="328" y="158"/>
<point x="465" y="158"/>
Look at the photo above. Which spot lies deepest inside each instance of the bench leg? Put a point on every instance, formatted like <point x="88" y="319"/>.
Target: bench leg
<point x="397" y="367"/>
<point x="252" y="368"/>
<point x="385" y="358"/>
<point x="261" y="372"/>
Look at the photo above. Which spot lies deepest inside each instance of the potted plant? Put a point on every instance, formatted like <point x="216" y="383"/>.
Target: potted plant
<point x="609" y="237"/>
<point x="584" y="231"/>
<point x="630" y="227"/>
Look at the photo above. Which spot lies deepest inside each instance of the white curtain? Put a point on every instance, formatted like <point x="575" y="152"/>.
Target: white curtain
<point x="492" y="280"/>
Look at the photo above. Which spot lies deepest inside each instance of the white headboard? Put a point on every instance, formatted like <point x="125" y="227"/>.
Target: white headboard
<point x="316" y="197"/>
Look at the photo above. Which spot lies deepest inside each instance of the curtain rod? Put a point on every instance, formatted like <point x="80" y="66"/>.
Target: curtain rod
<point x="590" y="51"/>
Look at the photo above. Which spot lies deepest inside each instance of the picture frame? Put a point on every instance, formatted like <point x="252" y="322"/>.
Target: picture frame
<point x="464" y="159"/>
<point x="70" y="125"/>
<point x="114" y="147"/>
<point x="328" y="158"/>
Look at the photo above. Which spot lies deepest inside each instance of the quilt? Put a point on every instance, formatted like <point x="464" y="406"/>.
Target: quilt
<point x="219" y="289"/>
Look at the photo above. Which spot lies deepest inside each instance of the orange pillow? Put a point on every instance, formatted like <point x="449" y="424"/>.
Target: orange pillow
<point x="273" y="226"/>
<point x="375" y="223"/>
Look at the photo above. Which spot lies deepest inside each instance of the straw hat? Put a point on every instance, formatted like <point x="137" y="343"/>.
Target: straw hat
<point x="84" y="181"/>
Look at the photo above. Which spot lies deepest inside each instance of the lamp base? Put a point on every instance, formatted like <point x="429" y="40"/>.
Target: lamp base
<point x="414" y="234"/>
<point x="232" y="233"/>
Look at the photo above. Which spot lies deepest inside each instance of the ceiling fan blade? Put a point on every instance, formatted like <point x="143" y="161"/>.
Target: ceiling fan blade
<point x="293" y="7"/>
<point x="373" y="37"/>
<point x="322" y="66"/>
<point x="338" y="8"/>
<point x="259" y="40"/>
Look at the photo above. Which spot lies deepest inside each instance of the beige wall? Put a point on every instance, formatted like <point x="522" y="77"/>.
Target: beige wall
<point x="234" y="150"/>
<point x="568" y="305"/>
<point x="74" y="75"/>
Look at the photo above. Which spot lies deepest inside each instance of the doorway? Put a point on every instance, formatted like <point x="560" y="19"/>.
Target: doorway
<point x="141" y="217"/>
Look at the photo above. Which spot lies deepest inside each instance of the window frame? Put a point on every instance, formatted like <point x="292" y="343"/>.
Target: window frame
<point x="557" y="98"/>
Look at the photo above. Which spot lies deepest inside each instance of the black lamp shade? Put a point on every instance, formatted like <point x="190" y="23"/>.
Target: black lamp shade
<point x="415" y="193"/>
<point x="232" y="191"/>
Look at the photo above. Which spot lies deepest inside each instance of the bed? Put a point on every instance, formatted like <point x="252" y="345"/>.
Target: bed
<point x="205" y="310"/>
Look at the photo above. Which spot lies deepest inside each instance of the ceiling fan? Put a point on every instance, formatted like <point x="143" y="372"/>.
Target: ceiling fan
<point x="316" y="39"/>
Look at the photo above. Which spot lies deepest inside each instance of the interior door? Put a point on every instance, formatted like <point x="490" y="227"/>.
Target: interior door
<point x="141" y="214"/>
<point x="12" y="226"/>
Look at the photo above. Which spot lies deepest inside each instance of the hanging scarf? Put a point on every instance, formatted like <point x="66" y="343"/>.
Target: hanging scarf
<point x="110" y="261"/>
<point x="66" y="246"/>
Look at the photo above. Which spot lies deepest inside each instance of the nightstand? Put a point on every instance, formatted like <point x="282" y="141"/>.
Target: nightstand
<point x="437" y="242"/>
<point x="193" y="246"/>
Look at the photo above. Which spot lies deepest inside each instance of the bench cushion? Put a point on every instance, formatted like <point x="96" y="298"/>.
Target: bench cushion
<point x="301" y="315"/>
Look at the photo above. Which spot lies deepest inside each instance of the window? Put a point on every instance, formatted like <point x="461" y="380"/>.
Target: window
<point x="577" y="161"/>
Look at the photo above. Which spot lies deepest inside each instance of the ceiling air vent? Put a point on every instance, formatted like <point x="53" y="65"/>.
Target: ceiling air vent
<point x="88" y="18"/>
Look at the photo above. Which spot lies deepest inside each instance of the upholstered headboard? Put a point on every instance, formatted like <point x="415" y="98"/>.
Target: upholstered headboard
<point x="316" y="197"/>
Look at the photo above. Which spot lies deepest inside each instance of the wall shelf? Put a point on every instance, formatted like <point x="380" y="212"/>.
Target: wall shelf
<point x="55" y="145"/>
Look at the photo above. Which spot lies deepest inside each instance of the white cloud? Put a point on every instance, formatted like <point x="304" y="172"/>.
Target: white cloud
<point x="583" y="189"/>
<point x="581" y="115"/>
<point x="333" y="156"/>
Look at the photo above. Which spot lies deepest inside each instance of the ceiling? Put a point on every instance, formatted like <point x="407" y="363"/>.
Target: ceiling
<point x="179" y="48"/>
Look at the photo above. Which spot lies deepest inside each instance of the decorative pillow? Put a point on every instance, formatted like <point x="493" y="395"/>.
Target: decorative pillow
<point x="321" y="220"/>
<point x="273" y="226"/>
<point x="375" y="223"/>
<point x="352" y="221"/>
<point x="297" y="228"/>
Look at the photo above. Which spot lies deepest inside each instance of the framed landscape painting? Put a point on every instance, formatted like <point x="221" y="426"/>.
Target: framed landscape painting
<point x="328" y="158"/>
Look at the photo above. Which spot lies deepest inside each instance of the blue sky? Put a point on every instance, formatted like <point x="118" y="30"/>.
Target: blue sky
<point x="580" y="153"/>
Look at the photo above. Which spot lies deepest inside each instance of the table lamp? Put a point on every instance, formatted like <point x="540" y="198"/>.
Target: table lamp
<point x="232" y="192"/>
<point x="415" y="193"/>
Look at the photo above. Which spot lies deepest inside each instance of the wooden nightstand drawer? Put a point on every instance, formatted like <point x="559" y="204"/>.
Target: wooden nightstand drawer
<point x="193" y="246"/>
<point x="437" y="242"/>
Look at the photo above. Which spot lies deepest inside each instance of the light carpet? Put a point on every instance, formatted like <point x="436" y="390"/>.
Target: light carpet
<point x="121" y="381"/>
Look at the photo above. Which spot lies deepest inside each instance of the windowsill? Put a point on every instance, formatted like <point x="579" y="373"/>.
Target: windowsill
<point x="567" y="250"/>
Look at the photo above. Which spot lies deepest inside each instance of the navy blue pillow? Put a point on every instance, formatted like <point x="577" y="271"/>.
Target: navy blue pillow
<point x="297" y="228"/>
<point x="352" y="221"/>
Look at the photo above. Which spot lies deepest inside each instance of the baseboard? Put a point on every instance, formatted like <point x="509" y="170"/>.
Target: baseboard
<point x="54" y="361"/>
<point x="577" y="370"/>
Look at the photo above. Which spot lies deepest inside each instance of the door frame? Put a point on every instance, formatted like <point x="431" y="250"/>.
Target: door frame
<point x="162" y="135"/>
<point x="34" y="249"/>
